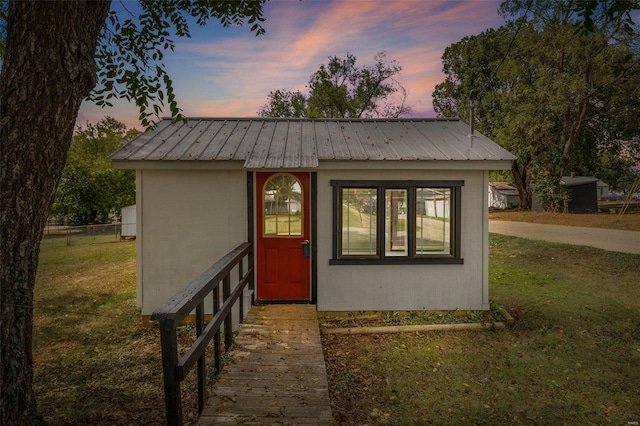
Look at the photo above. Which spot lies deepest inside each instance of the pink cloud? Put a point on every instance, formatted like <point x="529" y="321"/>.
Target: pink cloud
<point x="231" y="72"/>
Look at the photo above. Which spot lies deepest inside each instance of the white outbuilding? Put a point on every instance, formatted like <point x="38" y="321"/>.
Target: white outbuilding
<point x="128" y="221"/>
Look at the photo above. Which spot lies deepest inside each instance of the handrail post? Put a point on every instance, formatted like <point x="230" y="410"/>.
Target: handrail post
<point x="228" y="322"/>
<point x="217" y="353"/>
<point x="251" y="266"/>
<point x="172" y="397"/>
<point x="202" y="376"/>
<point x="241" y="300"/>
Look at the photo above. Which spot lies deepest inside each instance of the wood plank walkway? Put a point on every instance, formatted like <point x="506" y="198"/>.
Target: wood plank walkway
<point x="277" y="375"/>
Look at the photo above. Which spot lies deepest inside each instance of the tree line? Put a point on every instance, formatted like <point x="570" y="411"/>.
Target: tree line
<point x="565" y="99"/>
<point x="91" y="190"/>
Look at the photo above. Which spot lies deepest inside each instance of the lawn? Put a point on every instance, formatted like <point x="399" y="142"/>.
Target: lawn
<point x="571" y="357"/>
<point x="94" y="364"/>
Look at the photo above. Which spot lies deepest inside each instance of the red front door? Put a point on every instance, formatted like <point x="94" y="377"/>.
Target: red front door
<point x="282" y="243"/>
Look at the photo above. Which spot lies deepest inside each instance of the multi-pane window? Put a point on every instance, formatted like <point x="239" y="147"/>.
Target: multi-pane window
<point x="397" y="221"/>
<point x="282" y="201"/>
<point x="433" y="221"/>
<point x="359" y="222"/>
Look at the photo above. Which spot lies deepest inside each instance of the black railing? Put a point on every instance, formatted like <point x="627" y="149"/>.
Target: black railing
<point x="171" y="315"/>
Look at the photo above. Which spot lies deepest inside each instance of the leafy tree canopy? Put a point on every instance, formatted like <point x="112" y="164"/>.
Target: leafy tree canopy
<point x="342" y="89"/>
<point x="90" y="189"/>
<point x="132" y="47"/>
<point x="560" y="96"/>
<point x="591" y="16"/>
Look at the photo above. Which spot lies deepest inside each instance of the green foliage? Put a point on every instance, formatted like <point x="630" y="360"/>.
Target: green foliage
<point x="91" y="190"/>
<point x="133" y="43"/>
<point x="341" y="89"/>
<point x="284" y="103"/>
<point x="551" y="196"/>
<point x="587" y="16"/>
<point x="130" y="55"/>
<point x="563" y="100"/>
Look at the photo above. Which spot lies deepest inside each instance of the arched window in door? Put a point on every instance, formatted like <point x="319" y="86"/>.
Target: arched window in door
<point x="282" y="201"/>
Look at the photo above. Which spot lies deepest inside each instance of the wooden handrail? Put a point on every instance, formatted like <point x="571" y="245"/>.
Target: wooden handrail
<point x="172" y="313"/>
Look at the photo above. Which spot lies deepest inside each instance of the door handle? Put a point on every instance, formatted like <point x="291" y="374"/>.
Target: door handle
<point x="305" y="248"/>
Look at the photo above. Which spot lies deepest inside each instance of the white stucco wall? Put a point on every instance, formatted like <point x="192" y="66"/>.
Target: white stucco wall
<point x="407" y="287"/>
<point x="187" y="220"/>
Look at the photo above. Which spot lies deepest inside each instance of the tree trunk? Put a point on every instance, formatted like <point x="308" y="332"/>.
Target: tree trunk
<point x="522" y="183"/>
<point x="48" y="70"/>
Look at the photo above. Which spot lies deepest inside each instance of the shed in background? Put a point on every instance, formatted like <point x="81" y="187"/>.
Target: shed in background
<point x="583" y="194"/>
<point x="503" y="195"/>
<point x="128" y="221"/>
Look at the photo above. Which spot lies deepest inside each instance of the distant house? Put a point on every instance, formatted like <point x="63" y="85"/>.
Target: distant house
<point x="583" y="194"/>
<point x="503" y="195"/>
<point x="602" y="189"/>
<point x="348" y="214"/>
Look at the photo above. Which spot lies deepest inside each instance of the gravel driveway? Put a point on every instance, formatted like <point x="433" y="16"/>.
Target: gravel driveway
<point x="607" y="239"/>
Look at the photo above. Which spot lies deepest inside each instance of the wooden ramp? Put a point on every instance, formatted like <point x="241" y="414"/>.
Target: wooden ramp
<point x="277" y="375"/>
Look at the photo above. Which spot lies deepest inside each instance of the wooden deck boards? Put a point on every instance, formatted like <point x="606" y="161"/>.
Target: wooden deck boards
<point x="277" y="375"/>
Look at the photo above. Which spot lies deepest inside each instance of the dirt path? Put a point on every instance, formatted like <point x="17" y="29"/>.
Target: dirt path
<point x="607" y="239"/>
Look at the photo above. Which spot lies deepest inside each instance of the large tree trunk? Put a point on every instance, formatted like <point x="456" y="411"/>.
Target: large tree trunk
<point x="522" y="183"/>
<point x="47" y="71"/>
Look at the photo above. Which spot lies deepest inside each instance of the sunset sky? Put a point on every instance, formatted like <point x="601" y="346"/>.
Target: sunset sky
<point x="228" y="72"/>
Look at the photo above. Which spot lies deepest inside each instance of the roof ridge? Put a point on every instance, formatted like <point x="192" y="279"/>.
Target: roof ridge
<point x="380" y="119"/>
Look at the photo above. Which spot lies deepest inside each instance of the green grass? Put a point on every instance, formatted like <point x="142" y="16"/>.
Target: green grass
<point x="283" y="225"/>
<point x="571" y="357"/>
<point x="94" y="363"/>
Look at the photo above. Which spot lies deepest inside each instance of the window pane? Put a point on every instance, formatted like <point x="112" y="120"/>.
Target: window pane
<point x="282" y="199"/>
<point x="359" y="237"/>
<point x="433" y="221"/>
<point x="396" y="222"/>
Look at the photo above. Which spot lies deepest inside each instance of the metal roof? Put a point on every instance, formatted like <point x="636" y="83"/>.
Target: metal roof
<point x="303" y="143"/>
<point x="577" y="180"/>
<point x="506" y="186"/>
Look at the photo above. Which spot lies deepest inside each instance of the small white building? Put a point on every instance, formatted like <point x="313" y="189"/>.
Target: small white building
<point x="128" y="221"/>
<point x="503" y="195"/>
<point x="353" y="214"/>
<point x="603" y="190"/>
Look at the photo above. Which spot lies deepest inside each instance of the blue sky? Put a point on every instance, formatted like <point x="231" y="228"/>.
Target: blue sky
<point x="228" y="72"/>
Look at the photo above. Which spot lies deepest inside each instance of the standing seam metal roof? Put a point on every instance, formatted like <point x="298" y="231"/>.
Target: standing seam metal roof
<point x="302" y="143"/>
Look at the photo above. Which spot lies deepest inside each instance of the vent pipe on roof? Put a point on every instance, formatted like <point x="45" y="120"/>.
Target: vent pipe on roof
<point x="473" y="94"/>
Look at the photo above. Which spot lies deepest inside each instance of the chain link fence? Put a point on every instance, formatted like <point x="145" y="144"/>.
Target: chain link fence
<point x="56" y="234"/>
